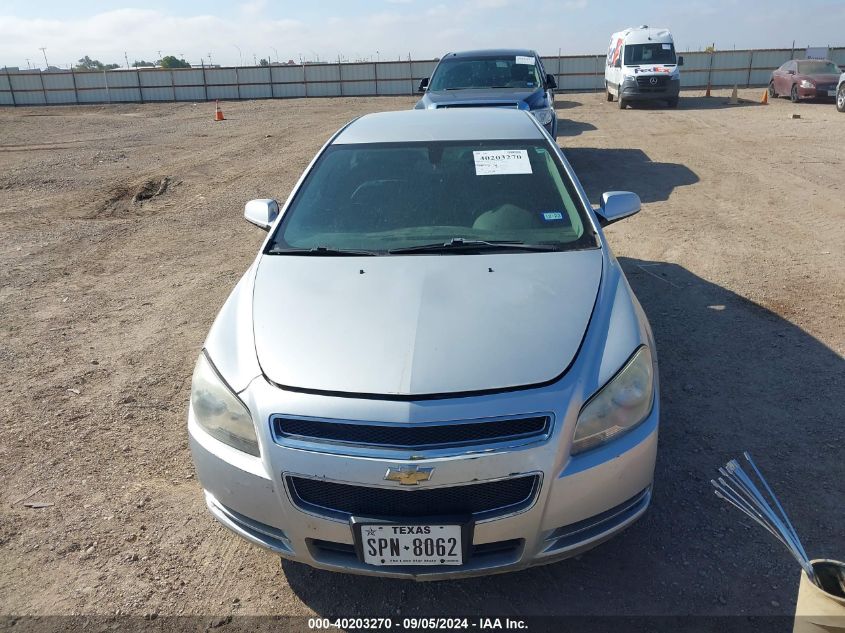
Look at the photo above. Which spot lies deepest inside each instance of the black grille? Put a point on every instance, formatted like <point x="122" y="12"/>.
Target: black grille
<point x="645" y="84"/>
<point x="326" y="497"/>
<point x="418" y="436"/>
<point x="480" y="104"/>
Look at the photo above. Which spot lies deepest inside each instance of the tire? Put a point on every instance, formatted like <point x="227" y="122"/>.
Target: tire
<point x="794" y="94"/>
<point x="840" y="98"/>
<point x="772" y="92"/>
<point x="622" y="103"/>
<point x="673" y="103"/>
<point x="608" y="94"/>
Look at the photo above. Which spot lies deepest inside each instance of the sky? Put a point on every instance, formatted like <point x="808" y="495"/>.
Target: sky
<point x="233" y="32"/>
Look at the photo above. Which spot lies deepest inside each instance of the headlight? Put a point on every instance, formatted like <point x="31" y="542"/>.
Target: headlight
<point x="619" y="406"/>
<point x="806" y="83"/>
<point x="219" y="411"/>
<point x="543" y="115"/>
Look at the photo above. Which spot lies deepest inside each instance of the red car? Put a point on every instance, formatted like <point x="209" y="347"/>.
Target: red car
<point x="805" y="79"/>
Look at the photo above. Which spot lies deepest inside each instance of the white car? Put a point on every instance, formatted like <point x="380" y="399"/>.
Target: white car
<point x="435" y="366"/>
<point x="840" y="93"/>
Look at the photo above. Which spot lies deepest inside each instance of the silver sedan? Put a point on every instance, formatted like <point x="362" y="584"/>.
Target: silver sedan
<point x="435" y="366"/>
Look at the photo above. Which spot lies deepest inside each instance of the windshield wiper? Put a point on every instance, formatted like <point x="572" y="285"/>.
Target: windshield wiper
<point x="320" y="251"/>
<point x="460" y="245"/>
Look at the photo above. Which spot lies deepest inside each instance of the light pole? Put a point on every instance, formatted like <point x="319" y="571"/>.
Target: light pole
<point x="240" y="54"/>
<point x="277" y="53"/>
<point x="43" y="49"/>
<point x="28" y="65"/>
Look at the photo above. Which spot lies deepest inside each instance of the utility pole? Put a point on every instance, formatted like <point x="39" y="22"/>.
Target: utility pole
<point x="254" y="60"/>
<point x="28" y="65"/>
<point x="126" y="57"/>
<point x="277" y="54"/>
<point x="43" y="49"/>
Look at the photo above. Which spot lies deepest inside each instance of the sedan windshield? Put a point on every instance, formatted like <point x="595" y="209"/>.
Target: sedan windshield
<point x="636" y="54"/>
<point x="457" y="73"/>
<point x="453" y="198"/>
<point x="818" y="68"/>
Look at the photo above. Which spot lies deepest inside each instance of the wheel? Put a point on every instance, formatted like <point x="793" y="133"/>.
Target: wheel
<point x="673" y="103"/>
<point x="840" y="98"/>
<point x="622" y="103"/>
<point x="772" y="93"/>
<point x="794" y="94"/>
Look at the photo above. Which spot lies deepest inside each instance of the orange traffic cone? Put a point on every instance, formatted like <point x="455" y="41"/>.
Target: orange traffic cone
<point x="765" y="98"/>
<point x="218" y="113"/>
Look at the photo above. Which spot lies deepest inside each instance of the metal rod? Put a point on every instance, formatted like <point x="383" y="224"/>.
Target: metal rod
<point x="777" y="502"/>
<point x="741" y="491"/>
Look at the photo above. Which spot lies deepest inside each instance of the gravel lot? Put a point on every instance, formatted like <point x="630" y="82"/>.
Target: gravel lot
<point x="737" y="258"/>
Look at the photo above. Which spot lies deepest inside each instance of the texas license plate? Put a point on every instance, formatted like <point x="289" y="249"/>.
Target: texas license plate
<point x="394" y="544"/>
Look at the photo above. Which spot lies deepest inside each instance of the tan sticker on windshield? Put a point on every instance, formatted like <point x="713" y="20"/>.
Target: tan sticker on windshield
<point x="524" y="59"/>
<point x="501" y="161"/>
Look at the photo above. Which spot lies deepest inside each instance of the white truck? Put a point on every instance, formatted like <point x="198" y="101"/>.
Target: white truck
<point x="642" y="66"/>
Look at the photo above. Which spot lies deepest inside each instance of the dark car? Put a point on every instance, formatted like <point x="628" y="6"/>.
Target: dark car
<point x="499" y="78"/>
<point x="805" y="79"/>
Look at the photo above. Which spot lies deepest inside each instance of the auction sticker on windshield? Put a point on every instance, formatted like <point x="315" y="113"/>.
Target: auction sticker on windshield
<point x="524" y="59"/>
<point x="503" y="161"/>
<point x="390" y="544"/>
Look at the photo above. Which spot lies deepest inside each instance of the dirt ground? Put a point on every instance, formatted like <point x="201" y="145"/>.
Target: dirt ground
<point x="737" y="258"/>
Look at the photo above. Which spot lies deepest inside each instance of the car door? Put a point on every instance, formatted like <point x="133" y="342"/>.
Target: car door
<point x="777" y="77"/>
<point x="788" y="78"/>
<point x="550" y="93"/>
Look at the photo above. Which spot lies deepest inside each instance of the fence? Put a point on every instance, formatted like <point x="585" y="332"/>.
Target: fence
<point x="583" y="72"/>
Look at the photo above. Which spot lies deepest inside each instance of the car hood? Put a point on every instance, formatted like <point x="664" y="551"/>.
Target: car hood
<point x="524" y="98"/>
<point x="422" y="324"/>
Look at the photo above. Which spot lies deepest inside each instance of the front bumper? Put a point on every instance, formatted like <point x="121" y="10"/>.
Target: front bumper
<point x="582" y="500"/>
<point x="819" y="92"/>
<point x="632" y="91"/>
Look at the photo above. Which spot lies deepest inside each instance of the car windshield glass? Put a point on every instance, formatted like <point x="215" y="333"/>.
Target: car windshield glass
<point x="636" y="54"/>
<point x="381" y="197"/>
<point x="818" y="68"/>
<point x="455" y="73"/>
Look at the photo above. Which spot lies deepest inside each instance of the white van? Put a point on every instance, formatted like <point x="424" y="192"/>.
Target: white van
<point x="642" y="66"/>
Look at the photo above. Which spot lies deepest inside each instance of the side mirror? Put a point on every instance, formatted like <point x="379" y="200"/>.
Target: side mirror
<point x="618" y="63"/>
<point x="791" y="72"/>
<point x="680" y="60"/>
<point x="550" y="82"/>
<point x="616" y="205"/>
<point x="423" y="85"/>
<point x="262" y="212"/>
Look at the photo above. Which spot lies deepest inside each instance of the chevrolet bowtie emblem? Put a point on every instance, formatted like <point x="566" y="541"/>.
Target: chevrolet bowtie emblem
<point x="408" y="475"/>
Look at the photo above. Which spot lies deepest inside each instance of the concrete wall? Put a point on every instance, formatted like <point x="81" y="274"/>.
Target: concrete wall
<point x="573" y="73"/>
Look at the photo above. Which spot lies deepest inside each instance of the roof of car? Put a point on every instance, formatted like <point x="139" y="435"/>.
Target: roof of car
<point x="448" y="124"/>
<point x="493" y="52"/>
